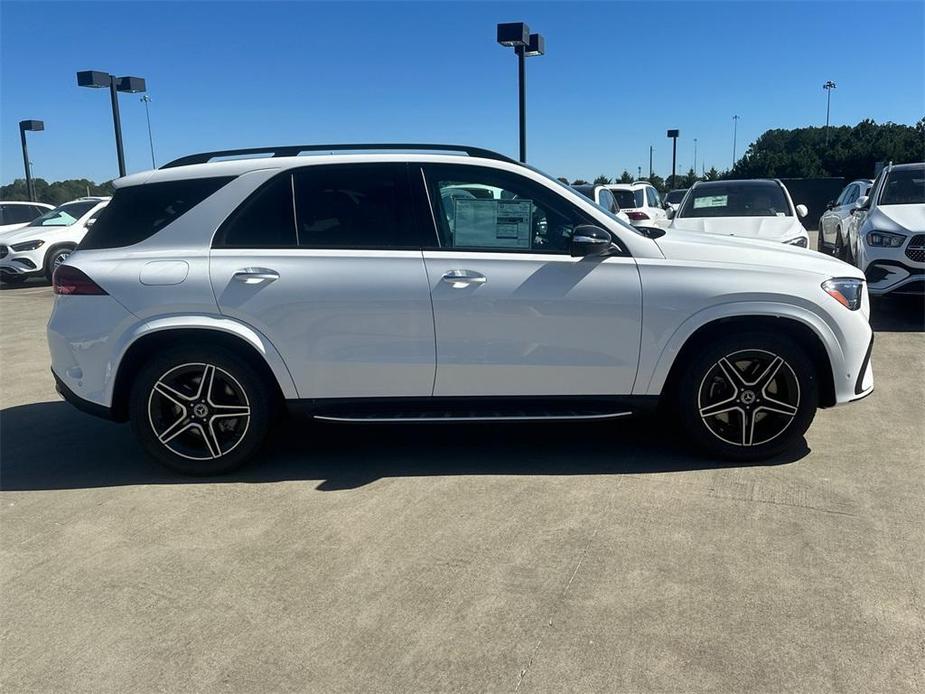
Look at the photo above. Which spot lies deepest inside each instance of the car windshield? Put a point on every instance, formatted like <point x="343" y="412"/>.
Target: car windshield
<point x="675" y="196"/>
<point x="904" y="187"/>
<point x="65" y="215"/>
<point x="737" y="199"/>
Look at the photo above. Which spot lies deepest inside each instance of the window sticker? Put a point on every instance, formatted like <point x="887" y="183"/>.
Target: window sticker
<point x="492" y="223"/>
<point x="711" y="201"/>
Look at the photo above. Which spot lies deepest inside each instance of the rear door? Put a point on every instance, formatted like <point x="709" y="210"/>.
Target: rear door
<point x="514" y="313"/>
<point x="326" y="262"/>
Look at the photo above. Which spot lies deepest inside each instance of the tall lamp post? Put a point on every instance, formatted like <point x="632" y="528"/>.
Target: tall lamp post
<point x="526" y="45"/>
<point x="98" y="80"/>
<point x="145" y="99"/>
<point x="651" y="149"/>
<point x="735" y="131"/>
<point x="828" y="86"/>
<point x="33" y="125"/>
<point x="694" y="167"/>
<point x="673" y="134"/>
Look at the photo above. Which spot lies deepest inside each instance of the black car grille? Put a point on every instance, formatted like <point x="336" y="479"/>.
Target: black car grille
<point x="4" y="251"/>
<point x="914" y="251"/>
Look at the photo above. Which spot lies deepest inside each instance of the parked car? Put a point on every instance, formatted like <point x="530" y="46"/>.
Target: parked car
<point x="212" y="294"/>
<point x="833" y="225"/>
<point x="603" y="197"/>
<point x="886" y="235"/>
<point x="755" y="209"/>
<point x="40" y="246"/>
<point x="673" y="199"/>
<point x="646" y="206"/>
<point x="16" y="213"/>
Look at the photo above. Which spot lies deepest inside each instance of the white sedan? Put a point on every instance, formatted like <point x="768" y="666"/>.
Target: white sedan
<point x="18" y="213"/>
<point x="754" y="209"/>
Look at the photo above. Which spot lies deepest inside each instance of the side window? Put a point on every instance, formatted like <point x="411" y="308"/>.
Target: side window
<point x="607" y="201"/>
<point x="355" y="206"/>
<point x="843" y="196"/>
<point x="652" y="197"/>
<point x="264" y="220"/>
<point x="852" y="195"/>
<point x="521" y="215"/>
<point x="17" y="214"/>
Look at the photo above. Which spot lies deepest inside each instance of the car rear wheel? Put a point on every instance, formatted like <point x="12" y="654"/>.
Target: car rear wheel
<point x="748" y="396"/>
<point x="200" y="411"/>
<point x="55" y="258"/>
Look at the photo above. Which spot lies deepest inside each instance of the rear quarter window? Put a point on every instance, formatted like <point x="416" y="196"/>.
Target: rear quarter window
<point x="138" y="212"/>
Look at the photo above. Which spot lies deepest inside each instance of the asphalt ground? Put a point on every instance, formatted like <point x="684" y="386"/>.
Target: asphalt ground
<point x="566" y="557"/>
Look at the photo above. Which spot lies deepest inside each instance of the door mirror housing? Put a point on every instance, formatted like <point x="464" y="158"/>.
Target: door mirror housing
<point x="802" y="211"/>
<point x="861" y="204"/>
<point x="670" y="212"/>
<point x="90" y="223"/>
<point x="590" y="240"/>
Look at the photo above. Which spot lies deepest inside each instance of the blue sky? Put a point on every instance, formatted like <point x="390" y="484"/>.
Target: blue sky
<point x="615" y="77"/>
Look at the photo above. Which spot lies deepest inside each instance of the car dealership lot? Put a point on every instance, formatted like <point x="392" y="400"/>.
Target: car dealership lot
<point x="470" y="558"/>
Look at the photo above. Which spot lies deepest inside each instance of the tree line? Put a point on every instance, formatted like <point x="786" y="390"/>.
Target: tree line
<point x="851" y="152"/>
<point x="57" y="192"/>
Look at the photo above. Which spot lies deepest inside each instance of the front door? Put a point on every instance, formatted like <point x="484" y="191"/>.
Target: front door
<point x="514" y="313"/>
<point x="326" y="262"/>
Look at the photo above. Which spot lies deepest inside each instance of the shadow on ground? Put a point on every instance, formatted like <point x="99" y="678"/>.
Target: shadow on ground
<point x="897" y="314"/>
<point x="30" y="283"/>
<point x="51" y="445"/>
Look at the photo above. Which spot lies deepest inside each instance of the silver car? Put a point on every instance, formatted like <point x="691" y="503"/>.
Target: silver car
<point x="833" y="225"/>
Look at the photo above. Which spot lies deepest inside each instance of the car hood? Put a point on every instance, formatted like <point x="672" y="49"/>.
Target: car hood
<point x="898" y="218"/>
<point x="710" y="248"/>
<point x="26" y="233"/>
<point x="765" y="228"/>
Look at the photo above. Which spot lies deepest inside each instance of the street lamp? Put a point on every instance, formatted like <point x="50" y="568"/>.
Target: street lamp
<point x="828" y="86"/>
<point x="33" y="125"/>
<point x="735" y="131"/>
<point x="694" y="167"/>
<point x="98" y="80"/>
<point x="673" y="134"/>
<point x="526" y="45"/>
<point x="651" y="149"/>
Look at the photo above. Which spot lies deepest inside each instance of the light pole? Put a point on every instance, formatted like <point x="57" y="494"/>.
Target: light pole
<point x="651" y="149"/>
<point x="33" y="125"/>
<point x="526" y="45"/>
<point x="735" y="132"/>
<point x="145" y="99"/>
<point x="828" y="86"/>
<point x="694" y="167"/>
<point x="98" y="80"/>
<point x="673" y="134"/>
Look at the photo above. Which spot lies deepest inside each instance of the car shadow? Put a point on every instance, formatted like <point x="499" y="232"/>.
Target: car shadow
<point x="894" y="314"/>
<point x="79" y="451"/>
<point x="30" y="283"/>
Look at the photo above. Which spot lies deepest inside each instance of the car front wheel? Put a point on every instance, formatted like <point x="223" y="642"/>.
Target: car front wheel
<point x="200" y="411"/>
<point x="748" y="396"/>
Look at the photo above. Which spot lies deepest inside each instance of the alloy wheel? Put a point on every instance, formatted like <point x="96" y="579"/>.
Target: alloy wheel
<point x="198" y="411"/>
<point x="59" y="258"/>
<point x="749" y="397"/>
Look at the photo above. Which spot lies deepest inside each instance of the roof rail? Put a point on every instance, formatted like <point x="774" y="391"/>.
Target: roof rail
<point x="295" y="150"/>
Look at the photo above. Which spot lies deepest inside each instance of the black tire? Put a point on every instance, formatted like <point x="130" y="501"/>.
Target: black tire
<point x="194" y="424"/>
<point x="839" y="251"/>
<point x="780" y="410"/>
<point x="51" y="261"/>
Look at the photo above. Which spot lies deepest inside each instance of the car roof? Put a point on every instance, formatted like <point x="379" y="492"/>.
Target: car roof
<point x="737" y="181"/>
<point x="906" y="167"/>
<point x="26" y="202"/>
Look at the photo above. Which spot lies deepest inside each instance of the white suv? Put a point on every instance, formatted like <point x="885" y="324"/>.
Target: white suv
<point x="886" y="234"/>
<point x="39" y="247"/>
<point x="645" y="207"/>
<point x="16" y="213"/>
<point x="358" y="287"/>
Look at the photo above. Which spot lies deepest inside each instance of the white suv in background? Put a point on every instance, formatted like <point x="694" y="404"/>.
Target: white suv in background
<point x="359" y="287"/>
<point x="39" y="247"/>
<point x="645" y="208"/>
<point x="887" y="231"/>
<point x="833" y="225"/>
<point x="17" y="213"/>
<point x="756" y="209"/>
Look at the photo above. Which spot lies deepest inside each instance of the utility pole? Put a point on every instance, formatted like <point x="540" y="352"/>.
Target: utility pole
<point x="828" y="86"/>
<point x="673" y="134"/>
<point x="651" y="149"/>
<point x="694" y="167"/>
<point x="735" y="132"/>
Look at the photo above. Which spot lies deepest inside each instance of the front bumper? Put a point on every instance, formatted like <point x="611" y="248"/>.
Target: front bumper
<point x="23" y="263"/>
<point x="895" y="270"/>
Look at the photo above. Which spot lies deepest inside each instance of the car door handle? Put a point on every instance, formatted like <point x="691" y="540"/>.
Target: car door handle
<point x="255" y="275"/>
<point x="463" y="278"/>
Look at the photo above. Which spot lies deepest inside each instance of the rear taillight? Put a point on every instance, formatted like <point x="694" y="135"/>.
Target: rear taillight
<point x="636" y="216"/>
<point x="69" y="280"/>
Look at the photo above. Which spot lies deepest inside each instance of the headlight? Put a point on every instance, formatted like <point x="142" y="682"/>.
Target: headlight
<point x="799" y="241"/>
<point x="884" y="239"/>
<point x="27" y="245"/>
<point x="845" y="290"/>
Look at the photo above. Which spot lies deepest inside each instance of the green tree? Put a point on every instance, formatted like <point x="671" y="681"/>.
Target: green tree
<point x="563" y="179"/>
<point x="579" y="182"/>
<point x="601" y="180"/>
<point x="57" y="192"/>
<point x="712" y="174"/>
<point x="626" y="177"/>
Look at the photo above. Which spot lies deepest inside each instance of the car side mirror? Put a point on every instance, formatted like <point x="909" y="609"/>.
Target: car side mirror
<point x="830" y="204"/>
<point x="590" y="240"/>
<point x="861" y="204"/>
<point x="670" y="213"/>
<point x="90" y="223"/>
<point x="802" y="211"/>
<point x="650" y="232"/>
